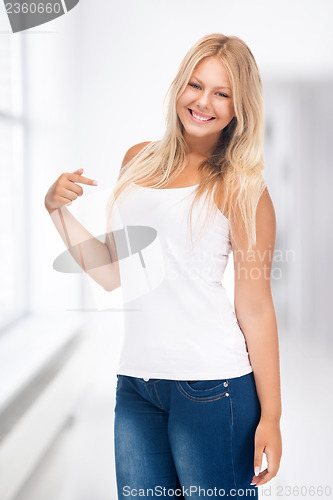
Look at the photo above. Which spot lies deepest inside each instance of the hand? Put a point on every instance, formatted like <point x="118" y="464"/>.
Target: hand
<point x="64" y="190"/>
<point x="267" y="440"/>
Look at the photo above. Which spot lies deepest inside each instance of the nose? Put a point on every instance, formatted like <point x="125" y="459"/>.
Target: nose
<point x="203" y="100"/>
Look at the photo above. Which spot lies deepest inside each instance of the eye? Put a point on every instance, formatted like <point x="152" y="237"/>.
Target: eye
<point x="194" y="85"/>
<point x="223" y="95"/>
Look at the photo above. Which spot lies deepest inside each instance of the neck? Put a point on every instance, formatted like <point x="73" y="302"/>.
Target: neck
<point x="200" y="147"/>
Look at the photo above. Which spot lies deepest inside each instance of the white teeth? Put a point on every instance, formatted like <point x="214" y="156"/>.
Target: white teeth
<point x="199" y="118"/>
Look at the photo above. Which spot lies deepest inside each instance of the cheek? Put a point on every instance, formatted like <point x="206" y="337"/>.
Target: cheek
<point x="184" y="100"/>
<point x="225" y="111"/>
<point x="179" y="104"/>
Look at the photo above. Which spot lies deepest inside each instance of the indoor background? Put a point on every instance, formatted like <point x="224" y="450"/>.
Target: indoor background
<point x="78" y="92"/>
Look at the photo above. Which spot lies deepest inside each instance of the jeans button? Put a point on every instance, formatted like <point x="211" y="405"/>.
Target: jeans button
<point x="225" y="384"/>
<point x="146" y="379"/>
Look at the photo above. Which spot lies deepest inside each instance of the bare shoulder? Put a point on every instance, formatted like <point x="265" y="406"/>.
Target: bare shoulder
<point x="133" y="151"/>
<point x="265" y="224"/>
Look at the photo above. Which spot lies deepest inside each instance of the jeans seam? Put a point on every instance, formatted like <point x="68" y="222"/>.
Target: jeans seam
<point x="231" y="442"/>
<point x="151" y="399"/>
<point x="158" y="398"/>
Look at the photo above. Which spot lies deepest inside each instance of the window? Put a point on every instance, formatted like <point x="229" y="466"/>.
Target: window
<point x="13" y="177"/>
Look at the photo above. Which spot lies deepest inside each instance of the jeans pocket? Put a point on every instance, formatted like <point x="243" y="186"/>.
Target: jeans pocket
<point x="204" y="389"/>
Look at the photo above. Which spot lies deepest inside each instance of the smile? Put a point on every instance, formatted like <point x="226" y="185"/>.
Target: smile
<point x="200" y="118"/>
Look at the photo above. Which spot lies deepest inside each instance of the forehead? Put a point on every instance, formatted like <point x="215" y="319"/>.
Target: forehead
<point x="212" y="72"/>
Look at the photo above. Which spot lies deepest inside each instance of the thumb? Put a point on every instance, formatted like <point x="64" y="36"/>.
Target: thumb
<point x="79" y="171"/>
<point x="258" y="455"/>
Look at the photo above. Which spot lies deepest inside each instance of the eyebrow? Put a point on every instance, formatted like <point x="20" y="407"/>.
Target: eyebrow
<point x="215" y="87"/>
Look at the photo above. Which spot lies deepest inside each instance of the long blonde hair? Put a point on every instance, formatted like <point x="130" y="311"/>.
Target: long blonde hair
<point x="234" y="169"/>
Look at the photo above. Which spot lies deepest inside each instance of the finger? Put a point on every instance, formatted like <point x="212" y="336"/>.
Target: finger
<point x="78" y="171"/>
<point x="255" y="478"/>
<point x="81" y="180"/>
<point x="65" y="200"/>
<point x="69" y="189"/>
<point x="271" y="470"/>
<point x="258" y="456"/>
<point x="267" y="476"/>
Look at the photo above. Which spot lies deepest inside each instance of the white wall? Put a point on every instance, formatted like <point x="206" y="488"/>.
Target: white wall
<point x="52" y="66"/>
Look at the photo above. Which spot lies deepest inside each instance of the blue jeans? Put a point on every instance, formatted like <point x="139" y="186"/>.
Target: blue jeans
<point x="185" y="439"/>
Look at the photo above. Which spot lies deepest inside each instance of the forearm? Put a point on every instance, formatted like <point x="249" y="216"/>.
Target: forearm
<point x="91" y="254"/>
<point x="261" y="334"/>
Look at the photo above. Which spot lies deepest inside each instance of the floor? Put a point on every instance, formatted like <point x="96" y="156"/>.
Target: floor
<point x="80" y="464"/>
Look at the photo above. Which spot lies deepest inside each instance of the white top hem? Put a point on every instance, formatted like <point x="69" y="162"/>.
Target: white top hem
<point x="186" y="376"/>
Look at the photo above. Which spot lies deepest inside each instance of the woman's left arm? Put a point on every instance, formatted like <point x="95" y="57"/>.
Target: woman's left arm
<point x="255" y="314"/>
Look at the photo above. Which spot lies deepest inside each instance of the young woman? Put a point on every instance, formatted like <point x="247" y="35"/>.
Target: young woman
<point x="198" y="396"/>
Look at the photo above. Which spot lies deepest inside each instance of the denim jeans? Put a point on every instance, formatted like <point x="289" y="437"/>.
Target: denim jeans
<point x="185" y="439"/>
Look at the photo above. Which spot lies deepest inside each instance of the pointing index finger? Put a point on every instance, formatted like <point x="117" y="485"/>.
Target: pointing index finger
<point x="83" y="180"/>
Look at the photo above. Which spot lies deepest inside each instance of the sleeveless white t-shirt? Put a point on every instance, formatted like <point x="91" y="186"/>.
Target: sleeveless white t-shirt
<point x="179" y="323"/>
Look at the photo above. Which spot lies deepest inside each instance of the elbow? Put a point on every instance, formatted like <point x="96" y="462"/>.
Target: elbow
<point x="254" y="308"/>
<point x="111" y="285"/>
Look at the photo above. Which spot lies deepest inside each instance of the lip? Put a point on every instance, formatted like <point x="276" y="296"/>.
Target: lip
<point x="196" y="120"/>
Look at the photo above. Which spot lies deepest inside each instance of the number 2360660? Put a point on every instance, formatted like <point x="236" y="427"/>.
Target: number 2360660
<point x="32" y="8"/>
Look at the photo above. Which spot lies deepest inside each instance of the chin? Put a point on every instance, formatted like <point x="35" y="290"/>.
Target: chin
<point x="195" y="132"/>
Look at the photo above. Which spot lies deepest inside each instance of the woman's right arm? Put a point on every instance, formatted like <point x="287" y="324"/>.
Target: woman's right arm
<point x="92" y="255"/>
<point x="99" y="260"/>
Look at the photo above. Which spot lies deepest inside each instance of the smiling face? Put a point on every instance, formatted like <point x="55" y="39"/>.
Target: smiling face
<point x="206" y="105"/>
